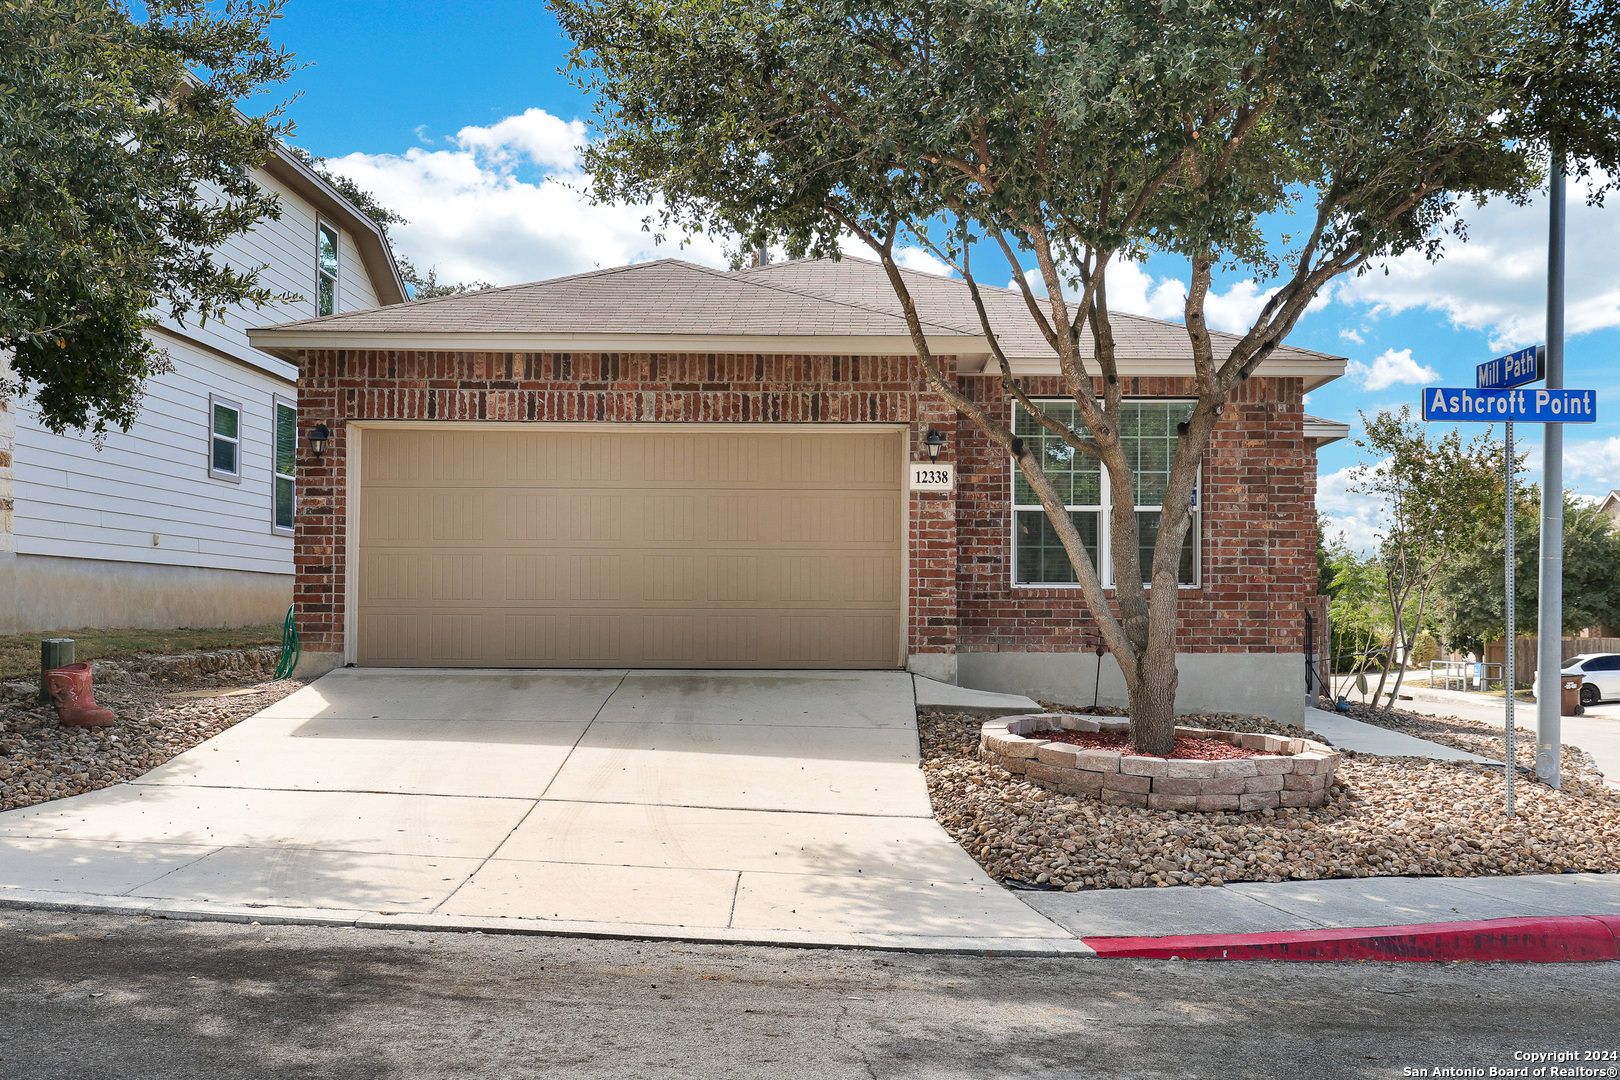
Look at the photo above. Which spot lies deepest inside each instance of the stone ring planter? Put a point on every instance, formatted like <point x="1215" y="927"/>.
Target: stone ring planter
<point x="1290" y="772"/>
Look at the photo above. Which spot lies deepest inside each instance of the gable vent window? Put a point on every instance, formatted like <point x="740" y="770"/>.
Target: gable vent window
<point x="327" y="269"/>
<point x="286" y="449"/>
<point x="225" y="439"/>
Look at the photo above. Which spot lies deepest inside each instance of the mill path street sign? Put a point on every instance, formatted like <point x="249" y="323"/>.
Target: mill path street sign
<point x="1495" y="406"/>
<point x="1515" y="369"/>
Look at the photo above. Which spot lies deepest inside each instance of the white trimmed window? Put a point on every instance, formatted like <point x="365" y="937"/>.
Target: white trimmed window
<point x="326" y="269"/>
<point x="1148" y="430"/>
<point x="283" y="467"/>
<point x="224" y="439"/>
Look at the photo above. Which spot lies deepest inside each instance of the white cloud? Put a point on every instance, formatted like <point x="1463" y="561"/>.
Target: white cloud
<point x="1596" y="461"/>
<point x="1497" y="280"/>
<point x="1351" y="336"/>
<point x="1389" y="369"/>
<point x="1358" y="517"/>
<point x="916" y="258"/>
<point x="547" y="141"/>
<point x="1131" y="288"/>
<point x="508" y="204"/>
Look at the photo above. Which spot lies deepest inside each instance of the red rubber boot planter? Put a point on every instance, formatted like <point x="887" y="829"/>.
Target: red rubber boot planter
<point x="75" y="703"/>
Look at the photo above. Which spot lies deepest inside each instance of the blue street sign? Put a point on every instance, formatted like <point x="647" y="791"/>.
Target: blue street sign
<point x="1493" y="406"/>
<point x="1515" y="369"/>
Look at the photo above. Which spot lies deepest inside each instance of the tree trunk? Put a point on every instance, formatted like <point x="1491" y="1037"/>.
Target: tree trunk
<point x="1400" y="673"/>
<point x="1152" y="687"/>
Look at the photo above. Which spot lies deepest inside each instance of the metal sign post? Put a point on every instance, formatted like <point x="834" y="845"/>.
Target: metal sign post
<point x="1497" y="397"/>
<point x="1510" y="660"/>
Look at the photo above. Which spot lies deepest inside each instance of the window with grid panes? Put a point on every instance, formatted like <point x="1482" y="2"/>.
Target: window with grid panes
<point x="1148" y="430"/>
<point x="286" y="447"/>
<point x="326" y="269"/>
<point x="224" y="439"/>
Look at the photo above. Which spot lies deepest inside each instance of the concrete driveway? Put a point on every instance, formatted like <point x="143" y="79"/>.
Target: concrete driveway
<point x="730" y="805"/>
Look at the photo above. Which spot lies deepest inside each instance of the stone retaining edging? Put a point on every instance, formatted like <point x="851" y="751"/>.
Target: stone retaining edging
<point x="1292" y="772"/>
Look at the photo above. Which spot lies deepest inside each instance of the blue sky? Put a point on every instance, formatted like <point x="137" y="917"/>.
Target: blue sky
<point x="456" y="115"/>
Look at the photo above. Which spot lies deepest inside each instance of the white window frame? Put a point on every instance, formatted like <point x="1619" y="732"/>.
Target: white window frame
<point x="277" y="403"/>
<point x="337" y="266"/>
<point x="215" y="400"/>
<point x="1104" y="510"/>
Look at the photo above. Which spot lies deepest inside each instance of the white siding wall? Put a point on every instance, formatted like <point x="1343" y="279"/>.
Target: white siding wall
<point x="286" y="249"/>
<point x="75" y="501"/>
<point x="354" y="285"/>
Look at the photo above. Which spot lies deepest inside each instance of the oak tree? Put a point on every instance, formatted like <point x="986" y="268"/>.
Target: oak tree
<point x="1070" y="134"/>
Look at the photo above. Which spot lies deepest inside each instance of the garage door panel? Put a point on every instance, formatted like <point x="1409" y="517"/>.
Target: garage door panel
<point x="674" y="549"/>
<point x="530" y="516"/>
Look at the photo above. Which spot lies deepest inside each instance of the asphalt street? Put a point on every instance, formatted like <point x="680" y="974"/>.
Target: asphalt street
<point x="122" y="997"/>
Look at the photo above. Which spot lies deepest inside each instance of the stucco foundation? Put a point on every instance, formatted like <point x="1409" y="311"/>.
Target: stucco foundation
<point x="48" y="593"/>
<point x="1267" y="684"/>
<point x="1289" y="772"/>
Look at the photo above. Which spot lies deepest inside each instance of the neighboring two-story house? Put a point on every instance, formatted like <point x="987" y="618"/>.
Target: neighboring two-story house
<point x="187" y="518"/>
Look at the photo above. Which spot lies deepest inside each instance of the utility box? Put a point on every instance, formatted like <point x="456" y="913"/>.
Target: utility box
<point x="54" y="652"/>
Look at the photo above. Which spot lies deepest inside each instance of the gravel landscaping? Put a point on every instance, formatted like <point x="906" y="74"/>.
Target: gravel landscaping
<point x="1384" y="816"/>
<point x="41" y="760"/>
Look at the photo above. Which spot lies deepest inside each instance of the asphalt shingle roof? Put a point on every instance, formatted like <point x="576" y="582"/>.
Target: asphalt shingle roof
<point x="849" y="297"/>
<point x="948" y="300"/>
<point x="663" y="297"/>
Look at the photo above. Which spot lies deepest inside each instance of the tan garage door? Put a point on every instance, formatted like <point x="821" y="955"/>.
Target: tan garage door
<point x="642" y="546"/>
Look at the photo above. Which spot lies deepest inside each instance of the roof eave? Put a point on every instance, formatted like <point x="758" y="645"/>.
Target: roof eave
<point x="1315" y="373"/>
<point x="1325" y="432"/>
<point x="287" y="341"/>
<point x="375" y="253"/>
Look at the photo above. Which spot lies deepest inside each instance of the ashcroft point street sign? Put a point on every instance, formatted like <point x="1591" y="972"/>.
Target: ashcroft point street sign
<point x="1515" y="369"/>
<point x="1494" y="406"/>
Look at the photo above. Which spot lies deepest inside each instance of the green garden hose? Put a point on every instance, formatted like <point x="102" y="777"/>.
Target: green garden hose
<point x="289" y="648"/>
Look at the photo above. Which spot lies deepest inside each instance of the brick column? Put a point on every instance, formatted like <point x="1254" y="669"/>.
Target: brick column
<point x="932" y="637"/>
<point x="319" y="547"/>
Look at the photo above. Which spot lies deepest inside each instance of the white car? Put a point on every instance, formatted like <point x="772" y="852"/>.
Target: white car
<point x="1601" y="672"/>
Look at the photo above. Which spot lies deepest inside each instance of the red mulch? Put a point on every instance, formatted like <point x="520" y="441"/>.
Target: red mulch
<point x="1195" y="749"/>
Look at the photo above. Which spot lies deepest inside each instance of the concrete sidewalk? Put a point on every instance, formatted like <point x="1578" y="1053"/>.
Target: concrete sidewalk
<point x="1597" y="731"/>
<point x="1351" y="734"/>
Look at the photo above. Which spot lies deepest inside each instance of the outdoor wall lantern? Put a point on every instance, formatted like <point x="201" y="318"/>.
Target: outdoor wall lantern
<point x="934" y="441"/>
<point x="319" y="437"/>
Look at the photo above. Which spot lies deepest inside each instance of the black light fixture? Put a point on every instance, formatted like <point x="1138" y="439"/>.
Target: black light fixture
<point x="319" y="439"/>
<point x="934" y="441"/>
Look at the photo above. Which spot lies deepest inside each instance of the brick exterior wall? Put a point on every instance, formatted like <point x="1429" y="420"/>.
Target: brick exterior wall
<point x="1259" y="533"/>
<point x="1259" y="482"/>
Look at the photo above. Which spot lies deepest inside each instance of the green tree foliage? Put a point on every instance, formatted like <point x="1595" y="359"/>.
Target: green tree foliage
<point x="123" y="163"/>
<point x="1435" y="494"/>
<point x="1471" y="587"/>
<point x="1359" y="608"/>
<point x="1068" y="133"/>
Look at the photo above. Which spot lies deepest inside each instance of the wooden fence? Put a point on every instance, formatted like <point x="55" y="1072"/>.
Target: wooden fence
<point x="1524" y="653"/>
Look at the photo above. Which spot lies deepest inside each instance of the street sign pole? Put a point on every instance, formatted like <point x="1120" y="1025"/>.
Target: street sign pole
<point x="1498" y="396"/>
<point x="1550" y="597"/>
<point x="1510" y="654"/>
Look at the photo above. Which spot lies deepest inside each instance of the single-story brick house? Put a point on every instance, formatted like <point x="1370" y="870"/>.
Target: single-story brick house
<point x="664" y="465"/>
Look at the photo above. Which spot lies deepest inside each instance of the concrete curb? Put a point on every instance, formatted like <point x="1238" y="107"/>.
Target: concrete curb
<point x="1534" y="940"/>
<point x="201" y="911"/>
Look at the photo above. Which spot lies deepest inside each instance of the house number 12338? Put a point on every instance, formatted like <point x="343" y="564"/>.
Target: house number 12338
<point x="932" y="476"/>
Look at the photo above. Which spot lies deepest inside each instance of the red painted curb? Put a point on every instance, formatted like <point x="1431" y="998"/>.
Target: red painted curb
<point x="1552" y="940"/>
